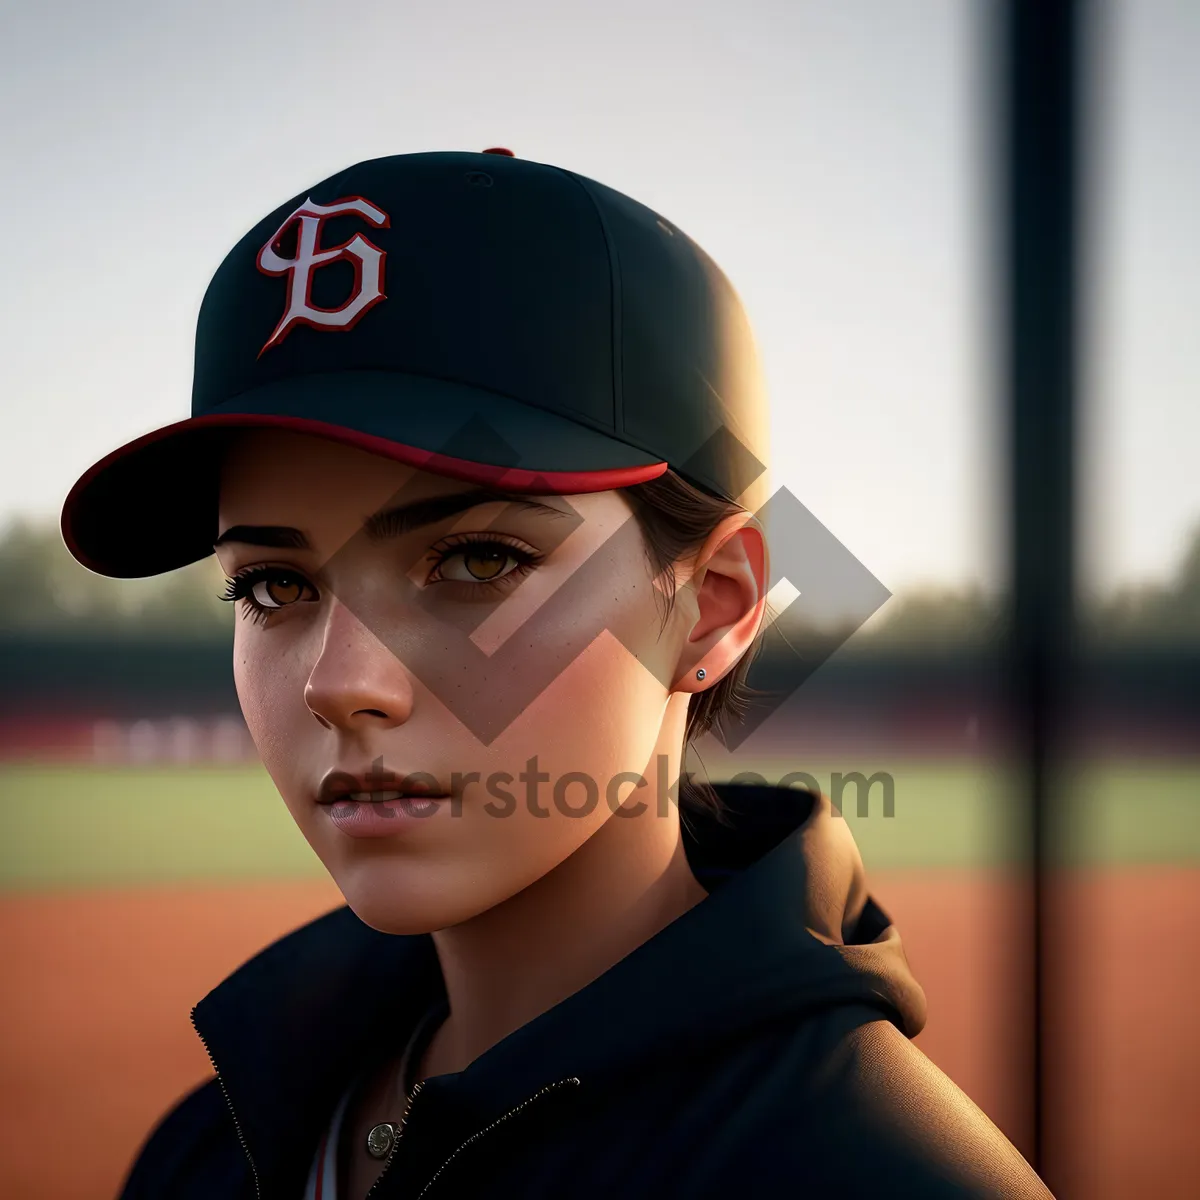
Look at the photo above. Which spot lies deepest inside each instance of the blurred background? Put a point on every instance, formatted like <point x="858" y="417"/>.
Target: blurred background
<point x="840" y="162"/>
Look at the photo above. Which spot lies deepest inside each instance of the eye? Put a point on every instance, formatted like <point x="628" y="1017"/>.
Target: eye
<point x="267" y="589"/>
<point x="480" y="565"/>
<point x="475" y="560"/>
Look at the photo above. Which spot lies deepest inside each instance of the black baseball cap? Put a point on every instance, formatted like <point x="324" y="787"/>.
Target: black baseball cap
<point x="495" y="320"/>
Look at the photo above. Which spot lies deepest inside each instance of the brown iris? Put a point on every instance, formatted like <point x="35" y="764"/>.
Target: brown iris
<point x="283" y="589"/>
<point x="485" y="564"/>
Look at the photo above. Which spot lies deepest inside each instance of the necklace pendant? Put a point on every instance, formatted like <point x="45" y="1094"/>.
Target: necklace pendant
<point x="381" y="1139"/>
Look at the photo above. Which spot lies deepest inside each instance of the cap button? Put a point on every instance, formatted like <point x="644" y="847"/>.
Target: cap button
<point x="500" y="150"/>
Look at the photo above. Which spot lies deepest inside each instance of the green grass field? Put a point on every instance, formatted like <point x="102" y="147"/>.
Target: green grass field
<point x="96" y="826"/>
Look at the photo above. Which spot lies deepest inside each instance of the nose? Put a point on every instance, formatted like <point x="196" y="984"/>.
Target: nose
<point x="357" y="683"/>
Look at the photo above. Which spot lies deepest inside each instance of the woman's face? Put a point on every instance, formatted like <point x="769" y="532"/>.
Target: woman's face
<point x="400" y="633"/>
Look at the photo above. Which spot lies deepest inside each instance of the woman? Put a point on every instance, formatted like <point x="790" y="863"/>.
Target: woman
<point x="477" y="442"/>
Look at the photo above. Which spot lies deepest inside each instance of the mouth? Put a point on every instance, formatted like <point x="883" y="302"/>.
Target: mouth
<point x="379" y="786"/>
<point x="379" y="803"/>
<point x="379" y="797"/>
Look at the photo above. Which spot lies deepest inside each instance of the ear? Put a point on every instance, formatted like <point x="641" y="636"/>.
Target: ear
<point x="729" y="598"/>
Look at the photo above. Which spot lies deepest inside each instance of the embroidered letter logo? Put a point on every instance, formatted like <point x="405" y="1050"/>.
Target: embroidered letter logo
<point x="359" y="250"/>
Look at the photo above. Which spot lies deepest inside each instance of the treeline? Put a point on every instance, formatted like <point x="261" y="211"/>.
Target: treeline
<point x="1146" y="614"/>
<point x="45" y="593"/>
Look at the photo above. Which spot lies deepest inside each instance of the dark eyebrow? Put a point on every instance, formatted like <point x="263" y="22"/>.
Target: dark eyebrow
<point x="278" y="537"/>
<point x="403" y="518"/>
<point x="388" y="522"/>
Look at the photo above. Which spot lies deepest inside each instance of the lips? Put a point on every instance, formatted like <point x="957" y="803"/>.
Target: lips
<point x="379" y="785"/>
<point x="379" y="818"/>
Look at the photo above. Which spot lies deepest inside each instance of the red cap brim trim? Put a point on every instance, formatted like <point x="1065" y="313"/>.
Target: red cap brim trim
<point x="510" y="479"/>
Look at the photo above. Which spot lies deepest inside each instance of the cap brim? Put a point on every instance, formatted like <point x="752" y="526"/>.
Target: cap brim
<point x="151" y="505"/>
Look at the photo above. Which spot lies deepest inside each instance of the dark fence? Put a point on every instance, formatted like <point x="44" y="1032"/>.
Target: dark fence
<point x="1135" y="699"/>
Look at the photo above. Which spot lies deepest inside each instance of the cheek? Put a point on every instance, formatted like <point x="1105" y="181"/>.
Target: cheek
<point x="600" y="712"/>
<point x="252" y="676"/>
<point x="599" y="717"/>
<point x="270" y="689"/>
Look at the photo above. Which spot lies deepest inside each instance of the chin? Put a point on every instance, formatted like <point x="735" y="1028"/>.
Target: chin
<point x="414" y="906"/>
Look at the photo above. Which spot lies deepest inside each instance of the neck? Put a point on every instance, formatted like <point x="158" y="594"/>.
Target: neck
<point x="508" y="965"/>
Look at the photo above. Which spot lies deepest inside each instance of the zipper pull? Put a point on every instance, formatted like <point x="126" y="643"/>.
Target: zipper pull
<point x="396" y="1131"/>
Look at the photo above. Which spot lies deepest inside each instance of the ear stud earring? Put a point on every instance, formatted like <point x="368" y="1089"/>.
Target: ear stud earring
<point x="700" y="674"/>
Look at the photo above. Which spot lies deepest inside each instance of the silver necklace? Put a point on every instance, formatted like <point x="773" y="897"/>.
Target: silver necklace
<point x="382" y="1137"/>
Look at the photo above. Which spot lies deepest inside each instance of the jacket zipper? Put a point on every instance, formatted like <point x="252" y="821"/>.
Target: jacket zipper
<point x="229" y="1105"/>
<point x="399" y="1132"/>
<point x="488" y="1128"/>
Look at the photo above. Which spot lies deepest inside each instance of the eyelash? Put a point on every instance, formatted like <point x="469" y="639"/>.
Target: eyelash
<point x="240" y="586"/>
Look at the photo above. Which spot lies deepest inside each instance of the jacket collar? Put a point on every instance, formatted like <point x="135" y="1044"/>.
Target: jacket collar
<point x="288" y="1030"/>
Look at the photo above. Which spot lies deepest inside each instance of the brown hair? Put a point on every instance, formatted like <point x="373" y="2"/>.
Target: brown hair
<point x="675" y="518"/>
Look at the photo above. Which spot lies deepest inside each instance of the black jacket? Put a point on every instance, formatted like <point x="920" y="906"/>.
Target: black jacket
<point x="756" y="1046"/>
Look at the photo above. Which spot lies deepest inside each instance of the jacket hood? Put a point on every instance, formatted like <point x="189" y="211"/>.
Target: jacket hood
<point x="788" y="928"/>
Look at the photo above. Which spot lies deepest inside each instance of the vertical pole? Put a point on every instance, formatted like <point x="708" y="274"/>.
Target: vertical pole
<point x="1040" y="142"/>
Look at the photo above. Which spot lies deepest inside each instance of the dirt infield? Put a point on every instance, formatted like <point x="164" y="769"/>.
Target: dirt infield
<point x="98" y="987"/>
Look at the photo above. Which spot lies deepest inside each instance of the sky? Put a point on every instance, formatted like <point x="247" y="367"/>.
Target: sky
<point x="832" y="158"/>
